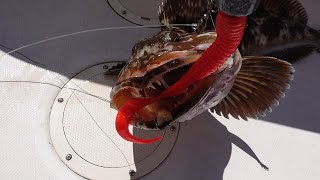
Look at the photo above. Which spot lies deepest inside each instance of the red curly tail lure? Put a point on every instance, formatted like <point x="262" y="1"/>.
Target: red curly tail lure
<point x="229" y="34"/>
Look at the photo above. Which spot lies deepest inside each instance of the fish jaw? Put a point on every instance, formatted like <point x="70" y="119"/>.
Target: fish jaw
<point x="199" y="97"/>
<point x="157" y="112"/>
<point x="186" y="50"/>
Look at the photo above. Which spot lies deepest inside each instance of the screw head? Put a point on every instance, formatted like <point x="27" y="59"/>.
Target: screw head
<point x="124" y="12"/>
<point x="105" y="67"/>
<point x="173" y="128"/>
<point x="132" y="172"/>
<point x="60" y="100"/>
<point x="68" y="157"/>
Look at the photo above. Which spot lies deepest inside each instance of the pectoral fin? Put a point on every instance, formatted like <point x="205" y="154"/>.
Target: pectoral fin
<point x="260" y="84"/>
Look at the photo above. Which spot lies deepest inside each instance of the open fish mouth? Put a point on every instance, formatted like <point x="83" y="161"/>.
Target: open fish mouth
<point x="161" y="113"/>
<point x="157" y="63"/>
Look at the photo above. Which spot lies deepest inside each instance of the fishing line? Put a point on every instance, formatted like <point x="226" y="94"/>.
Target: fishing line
<point x="54" y="74"/>
<point x="82" y="104"/>
<point x="79" y="33"/>
<point x="73" y="93"/>
<point x="97" y="124"/>
<point x="78" y="87"/>
<point x="54" y="85"/>
<point x="210" y="3"/>
<point x="88" y="31"/>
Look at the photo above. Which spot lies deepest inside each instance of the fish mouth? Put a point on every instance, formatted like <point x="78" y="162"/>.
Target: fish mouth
<point x="161" y="113"/>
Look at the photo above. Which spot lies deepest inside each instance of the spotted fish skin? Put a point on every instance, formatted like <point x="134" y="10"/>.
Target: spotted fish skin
<point x="278" y="28"/>
<point x="267" y="33"/>
<point x="149" y="53"/>
<point x="145" y="51"/>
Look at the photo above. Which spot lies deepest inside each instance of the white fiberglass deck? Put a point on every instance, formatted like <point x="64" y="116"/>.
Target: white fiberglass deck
<point x="286" y="141"/>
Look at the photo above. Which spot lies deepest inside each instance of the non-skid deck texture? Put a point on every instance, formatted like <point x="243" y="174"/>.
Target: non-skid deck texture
<point x="286" y="141"/>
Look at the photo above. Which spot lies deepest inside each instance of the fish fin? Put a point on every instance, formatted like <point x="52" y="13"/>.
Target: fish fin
<point x="181" y="11"/>
<point x="288" y="9"/>
<point x="260" y="83"/>
<point x="295" y="54"/>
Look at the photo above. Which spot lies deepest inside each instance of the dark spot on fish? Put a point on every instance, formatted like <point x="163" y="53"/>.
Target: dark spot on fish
<point x="272" y="27"/>
<point x="293" y="32"/>
<point x="297" y="30"/>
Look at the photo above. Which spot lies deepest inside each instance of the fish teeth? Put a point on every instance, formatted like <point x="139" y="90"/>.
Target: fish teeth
<point x="150" y="86"/>
<point x="158" y="82"/>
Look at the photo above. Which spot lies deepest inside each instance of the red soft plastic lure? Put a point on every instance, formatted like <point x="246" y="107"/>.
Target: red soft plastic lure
<point x="230" y="30"/>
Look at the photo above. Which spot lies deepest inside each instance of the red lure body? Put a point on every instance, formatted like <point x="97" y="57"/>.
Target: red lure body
<point x="230" y="30"/>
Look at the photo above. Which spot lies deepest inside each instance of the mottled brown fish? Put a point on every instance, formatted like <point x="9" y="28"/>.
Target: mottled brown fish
<point x="242" y="87"/>
<point x="278" y="28"/>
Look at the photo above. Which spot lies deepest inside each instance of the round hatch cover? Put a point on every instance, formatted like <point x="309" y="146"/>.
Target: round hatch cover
<point x="83" y="133"/>
<point x="142" y="12"/>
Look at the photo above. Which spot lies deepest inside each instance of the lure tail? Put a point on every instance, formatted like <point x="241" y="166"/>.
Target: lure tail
<point x="125" y="114"/>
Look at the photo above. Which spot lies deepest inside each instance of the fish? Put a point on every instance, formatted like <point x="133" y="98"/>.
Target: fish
<point x="278" y="28"/>
<point x="242" y="87"/>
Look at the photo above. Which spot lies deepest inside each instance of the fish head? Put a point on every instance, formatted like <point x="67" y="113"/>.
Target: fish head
<point x="160" y="61"/>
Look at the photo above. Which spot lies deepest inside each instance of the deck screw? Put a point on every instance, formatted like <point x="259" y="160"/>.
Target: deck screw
<point x="68" y="157"/>
<point x="124" y="12"/>
<point x="105" y="67"/>
<point x="60" y="100"/>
